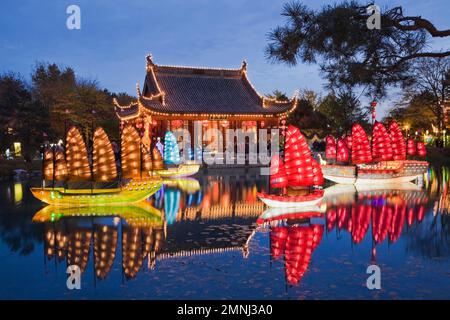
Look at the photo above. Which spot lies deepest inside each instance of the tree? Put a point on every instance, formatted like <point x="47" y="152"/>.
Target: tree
<point x="278" y="95"/>
<point x="22" y="118"/>
<point x="342" y="111"/>
<point x="349" y="54"/>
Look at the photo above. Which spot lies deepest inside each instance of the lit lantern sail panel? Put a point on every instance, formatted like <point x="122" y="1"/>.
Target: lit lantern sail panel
<point x="361" y="152"/>
<point x="104" y="161"/>
<point x="343" y="152"/>
<point x="381" y="143"/>
<point x="330" y="149"/>
<point x="171" y="149"/>
<point x="421" y="151"/>
<point x="48" y="164"/>
<point x="60" y="165"/>
<point x="397" y="141"/>
<point x="146" y="160"/>
<point x="157" y="159"/>
<point x="77" y="157"/>
<point x="131" y="153"/>
<point x="298" y="159"/>
<point x="411" y="147"/>
<point x="278" y="177"/>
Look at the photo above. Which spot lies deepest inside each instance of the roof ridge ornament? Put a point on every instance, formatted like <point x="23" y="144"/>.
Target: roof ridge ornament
<point x="244" y="66"/>
<point x="138" y="89"/>
<point x="150" y="63"/>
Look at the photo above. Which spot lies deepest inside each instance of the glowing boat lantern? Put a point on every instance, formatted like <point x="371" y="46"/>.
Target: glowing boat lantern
<point x="78" y="166"/>
<point x="411" y="147"/>
<point x="361" y="152"/>
<point x="104" y="161"/>
<point x="330" y="149"/>
<point x="343" y="152"/>
<point x="381" y="144"/>
<point x="301" y="171"/>
<point x="60" y="165"/>
<point x="421" y="150"/>
<point x="130" y="153"/>
<point x="397" y="141"/>
<point x="48" y="164"/>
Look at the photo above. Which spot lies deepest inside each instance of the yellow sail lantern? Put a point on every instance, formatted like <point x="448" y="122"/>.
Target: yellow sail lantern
<point x="60" y="165"/>
<point x="157" y="160"/>
<point x="146" y="161"/>
<point x="131" y="153"/>
<point x="77" y="157"/>
<point x="104" y="162"/>
<point x="48" y="164"/>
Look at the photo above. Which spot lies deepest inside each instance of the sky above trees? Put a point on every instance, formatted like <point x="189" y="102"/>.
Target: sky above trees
<point x="115" y="37"/>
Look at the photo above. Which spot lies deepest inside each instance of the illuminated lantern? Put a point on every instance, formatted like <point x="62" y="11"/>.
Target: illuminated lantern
<point x="297" y="159"/>
<point x="330" y="149"/>
<point x="381" y="220"/>
<point x="361" y="152"/>
<point x="381" y="143"/>
<point x="198" y="154"/>
<point x="331" y="218"/>
<point x="78" y="247"/>
<point x="157" y="159"/>
<point x="318" y="179"/>
<point x="132" y="256"/>
<point x="421" y="150"/>
<point x="278" y="177"/>
<point x="397" y="141"/>
<point x="411" y="147"/>
<point x="104" y="162"/>
<point x="77" y="157"/>
<point x="60" y="165"/>
<point x="146" y="160"/>
<point x="48" y="164"/>
<point x="171" y="150"/>
<point x="343" y="153"/>
<point x="130" y="153"/>
<point x="349" y="141"/>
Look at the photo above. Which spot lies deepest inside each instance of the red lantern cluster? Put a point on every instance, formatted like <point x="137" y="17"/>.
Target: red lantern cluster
<point x="278" y="177"/>
<point x="343" y="152"/>
<point x="381" y="143"/>
<point x="349" y="141"/>
<point x="298" y="159"/>
<point x="318" y="179"/>
<point x="330" y="149"/>
<point x="361" y="152"/>
<point x="278" y="236"/>
<point x="411" y="147"/>
<point x="360" y="222"/>
<point x="421" y="151"/>
<point x="397" y="141"/>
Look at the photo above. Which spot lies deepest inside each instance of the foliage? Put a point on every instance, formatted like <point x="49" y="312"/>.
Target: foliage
<point x="349" y="54"/>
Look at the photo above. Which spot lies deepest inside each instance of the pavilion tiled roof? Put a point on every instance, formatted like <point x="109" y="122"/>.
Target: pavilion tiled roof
<point x="190" y="90"/>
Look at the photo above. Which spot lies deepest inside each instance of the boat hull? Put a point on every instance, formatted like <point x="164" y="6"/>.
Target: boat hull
<point x="133" y="192"/>
<point x="404" y="171"/>
<point x="291" y="201"/>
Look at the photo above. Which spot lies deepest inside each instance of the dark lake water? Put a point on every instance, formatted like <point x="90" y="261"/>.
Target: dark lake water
<point x="199" y="239"/>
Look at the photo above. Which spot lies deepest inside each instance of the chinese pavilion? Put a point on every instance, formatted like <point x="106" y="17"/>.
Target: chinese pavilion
<point x="175" y="96"/>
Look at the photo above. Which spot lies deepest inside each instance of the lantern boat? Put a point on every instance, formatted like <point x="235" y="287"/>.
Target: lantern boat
<point x="385" y="163"/>
<point x="74" y="182"/>
<point x="275" y="214"/>
<point x="299" y="175"/>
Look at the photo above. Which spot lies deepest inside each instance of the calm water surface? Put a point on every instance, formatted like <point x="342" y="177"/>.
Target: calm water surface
<point x="199" y="239"/>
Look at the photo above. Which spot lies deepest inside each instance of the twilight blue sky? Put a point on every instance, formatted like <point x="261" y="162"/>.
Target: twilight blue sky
<point x="115" y="36"/>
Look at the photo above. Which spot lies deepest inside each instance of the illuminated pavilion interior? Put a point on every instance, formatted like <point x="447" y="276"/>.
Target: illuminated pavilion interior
<point x="175" y="96"/>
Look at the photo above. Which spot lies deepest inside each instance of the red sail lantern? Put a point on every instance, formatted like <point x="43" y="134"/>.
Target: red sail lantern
<point x="360" y="222"/>
<point x="381" y="143"/>
<point x="297" y="158"/>
<point x="331" y="218"/>
<point x="397" y="141"/>
<point x="278" y="177"/>
<point x="381" y="220"/>
<point x="411" y="147"/>
<point x="361" y="152"/>
<point x="349" y="141"/>
<point x="421" y="151"/>
<point x="318" y="179"/>
<point x="397" y="222"/>
<point x="330" y="149"/>
<point x="343" y="152"/>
